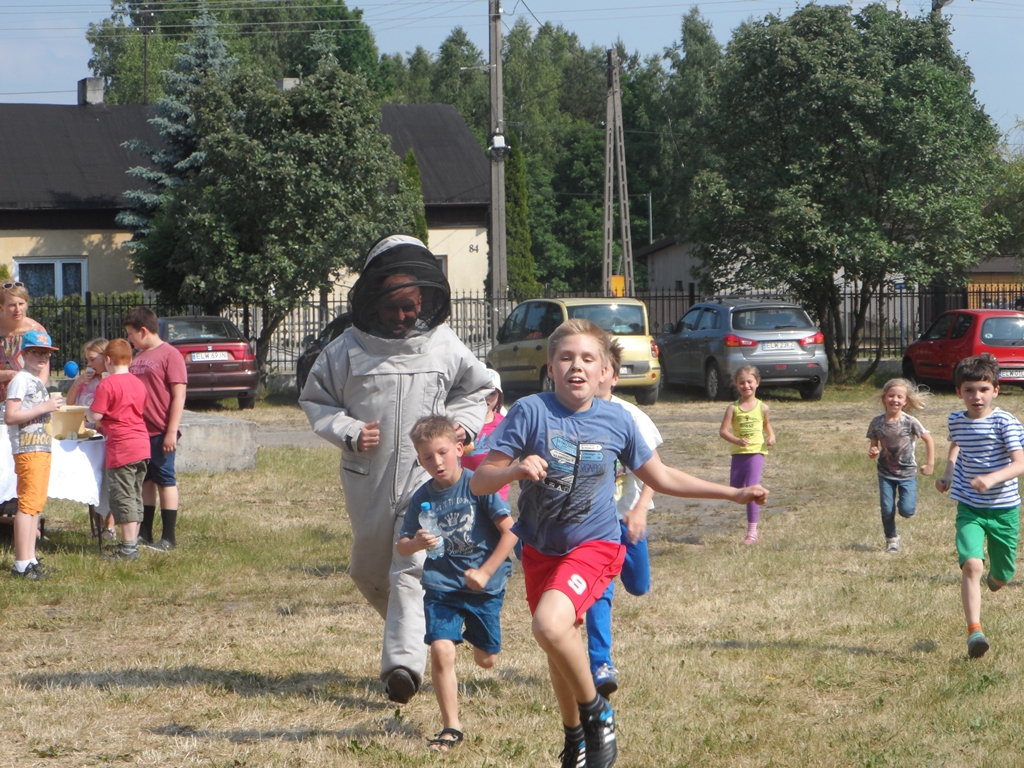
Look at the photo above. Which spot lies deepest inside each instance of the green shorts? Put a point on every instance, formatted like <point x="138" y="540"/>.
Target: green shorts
<point x="1000" y="526"/>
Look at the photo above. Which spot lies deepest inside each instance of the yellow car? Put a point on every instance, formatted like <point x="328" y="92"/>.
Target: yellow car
<point x="521" y="354"/>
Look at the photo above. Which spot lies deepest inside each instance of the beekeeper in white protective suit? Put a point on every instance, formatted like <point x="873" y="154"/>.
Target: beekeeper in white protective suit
<point x="398" y="363"/>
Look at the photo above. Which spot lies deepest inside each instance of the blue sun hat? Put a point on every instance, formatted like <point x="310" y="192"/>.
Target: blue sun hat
<point x="37" y="340"/>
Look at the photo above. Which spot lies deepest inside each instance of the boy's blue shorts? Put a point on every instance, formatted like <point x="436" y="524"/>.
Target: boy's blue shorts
<point x="161" y="465"/>
<point x="446" y="612"/>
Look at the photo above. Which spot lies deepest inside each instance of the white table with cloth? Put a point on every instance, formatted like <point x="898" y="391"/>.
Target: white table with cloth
<point x="76" y="471"/>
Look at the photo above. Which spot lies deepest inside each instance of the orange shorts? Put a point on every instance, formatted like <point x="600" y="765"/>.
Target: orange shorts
<point x="33" y="471"/>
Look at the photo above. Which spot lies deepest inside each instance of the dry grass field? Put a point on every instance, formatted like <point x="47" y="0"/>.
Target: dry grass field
<point x="249" y="645"/>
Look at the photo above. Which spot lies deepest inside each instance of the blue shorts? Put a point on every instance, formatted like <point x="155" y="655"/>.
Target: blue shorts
<point x="446" y="612"/>
<point x="161" y="465"/>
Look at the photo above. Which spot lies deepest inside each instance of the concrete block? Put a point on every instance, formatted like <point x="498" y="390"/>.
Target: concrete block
<point x="213" y="444"/>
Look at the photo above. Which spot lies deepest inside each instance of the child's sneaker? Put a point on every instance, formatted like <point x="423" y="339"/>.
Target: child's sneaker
<point x="31" y="573"/>
<point x="892" y="546"/>
<point x="599" y="732"/>
<point x="991" y="583"/>
<point x="977" y="644"/>
<point x="606" y="680"/>
<point x="574" y="754"/>
<point x="752" y="538"/>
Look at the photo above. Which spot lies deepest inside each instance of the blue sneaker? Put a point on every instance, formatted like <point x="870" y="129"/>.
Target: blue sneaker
<point x="599" y="733"/>
<point x="606" y="680"/>
<point x="977" y="644"/>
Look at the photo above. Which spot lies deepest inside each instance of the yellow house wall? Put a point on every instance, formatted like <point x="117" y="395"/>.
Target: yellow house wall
<point x="108" y="266"/>
<point x="466" y="256"/>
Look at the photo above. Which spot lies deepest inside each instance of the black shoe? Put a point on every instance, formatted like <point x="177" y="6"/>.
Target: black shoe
<point x="158" y="546"/>
<point x="31" y="573"/>
<point x="574" y="754"/>
<point x="400" y="686"/>
<point x="122" y="555"/>
<point x="599" y="732"/>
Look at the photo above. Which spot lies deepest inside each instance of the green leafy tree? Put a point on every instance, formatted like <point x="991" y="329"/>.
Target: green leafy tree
<point x="284" y="190"/>
<point x="281" y="38"/>
<point x="415" y="185"/>
<point x="849" y="147"/>
<point x="1007" y="201"/>
<point x="521" y="280"/>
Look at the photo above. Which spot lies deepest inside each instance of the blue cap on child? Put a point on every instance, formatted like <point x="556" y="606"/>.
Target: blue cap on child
<point x="37" y="339"/>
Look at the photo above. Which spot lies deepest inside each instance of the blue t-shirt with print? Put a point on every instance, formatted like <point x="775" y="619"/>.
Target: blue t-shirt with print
<point x="575" y="503"/>
<point x="470" y="535"/>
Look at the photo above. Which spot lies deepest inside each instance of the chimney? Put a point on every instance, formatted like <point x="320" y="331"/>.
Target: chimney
<point x="287" y="83"/>
<point x="90" y="91"/>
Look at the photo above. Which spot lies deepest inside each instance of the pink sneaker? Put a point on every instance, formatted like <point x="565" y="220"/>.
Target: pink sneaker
<point x="752" y="538"/>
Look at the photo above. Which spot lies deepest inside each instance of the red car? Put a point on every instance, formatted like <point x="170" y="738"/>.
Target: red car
<point x="219" y="360"/>
<point x="962" y="333"/>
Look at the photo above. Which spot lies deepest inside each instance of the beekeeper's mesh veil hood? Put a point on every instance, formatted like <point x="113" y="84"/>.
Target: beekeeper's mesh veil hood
<point x="391" y="259"/>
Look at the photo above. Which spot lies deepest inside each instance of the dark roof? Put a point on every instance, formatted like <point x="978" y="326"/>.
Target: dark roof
<point x="454" y="168"/>
<point x="658" y="245"/>
<point x="69" y="157"/>
<point x="56" y="157"/>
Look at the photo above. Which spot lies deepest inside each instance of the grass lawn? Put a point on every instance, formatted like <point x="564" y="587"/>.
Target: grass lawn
<point x="249" y="645"/>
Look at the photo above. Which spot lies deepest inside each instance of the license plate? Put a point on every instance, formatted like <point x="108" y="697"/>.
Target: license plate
<point x="1011" y="373"/>
<point x="776" y="345"/>
<point x="198" y="357"/>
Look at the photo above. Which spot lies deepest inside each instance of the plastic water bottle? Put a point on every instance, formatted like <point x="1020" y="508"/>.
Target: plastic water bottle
<point x="428" y="522"/>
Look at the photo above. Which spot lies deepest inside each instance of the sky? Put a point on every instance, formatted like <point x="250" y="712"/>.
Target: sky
<point x="43" y="51"/>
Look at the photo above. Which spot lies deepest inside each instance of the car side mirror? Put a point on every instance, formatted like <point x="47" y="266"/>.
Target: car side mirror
<point x="501" y="335"/>
<point x="668" y="328"/>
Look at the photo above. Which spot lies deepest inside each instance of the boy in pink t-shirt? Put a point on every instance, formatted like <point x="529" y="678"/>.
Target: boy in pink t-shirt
<point x="117" y="409"/>
<point x="161" y="368"/>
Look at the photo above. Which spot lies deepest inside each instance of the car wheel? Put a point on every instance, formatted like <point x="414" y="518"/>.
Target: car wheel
<point x="713" y="386"/>
<point x="648" y="396"/>
<point x="812" y="391"/>
<point x="247" y="403"/>
<point x="546" y="384"/>
<point x="909" y="372"/>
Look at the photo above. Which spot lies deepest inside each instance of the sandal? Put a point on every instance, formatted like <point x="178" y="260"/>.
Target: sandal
<point x="441" y="744"/>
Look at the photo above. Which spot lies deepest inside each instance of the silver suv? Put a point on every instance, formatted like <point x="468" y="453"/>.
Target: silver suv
<point x="714" y="339"/>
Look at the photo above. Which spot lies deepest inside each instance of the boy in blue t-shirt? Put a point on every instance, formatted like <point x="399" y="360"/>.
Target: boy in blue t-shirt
<point x="567" y="443"/>
<point x="466" y="585"/>
<point x="986" y="456"/>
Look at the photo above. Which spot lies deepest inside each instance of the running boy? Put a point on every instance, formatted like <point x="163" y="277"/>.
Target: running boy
<point x="633" y="500"/>
<point x="567" y="443"/>
<point x="117" y="408"/>
<point x="466" y="584"/>
<point x="986" y="456"/>
<point x="162" y="370"/>
<point x="28" y="411"/>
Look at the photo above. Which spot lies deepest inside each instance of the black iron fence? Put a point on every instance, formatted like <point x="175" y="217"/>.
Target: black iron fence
<point x="894" y="318"/>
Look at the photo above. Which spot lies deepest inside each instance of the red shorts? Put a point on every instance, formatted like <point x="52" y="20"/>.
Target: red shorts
<point x="582" y="575"/>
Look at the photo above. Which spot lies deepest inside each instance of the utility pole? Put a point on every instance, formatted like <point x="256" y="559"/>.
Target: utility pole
<point x="497" y="148"/>
<point x="615" y="161"/>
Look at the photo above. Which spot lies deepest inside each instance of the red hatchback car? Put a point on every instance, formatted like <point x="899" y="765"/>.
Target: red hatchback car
<point x="219" y="360"/>
<point x="962" y="333"/>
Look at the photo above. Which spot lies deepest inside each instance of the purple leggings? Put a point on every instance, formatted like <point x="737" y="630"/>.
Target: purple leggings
<point x="746" y="470"/>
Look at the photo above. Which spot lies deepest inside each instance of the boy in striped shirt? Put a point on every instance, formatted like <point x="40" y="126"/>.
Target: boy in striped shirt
<point x="986" y="456"/>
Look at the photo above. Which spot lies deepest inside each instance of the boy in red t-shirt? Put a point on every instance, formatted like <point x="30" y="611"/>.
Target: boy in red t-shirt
<point x="162" y="370"/>
<point x="117" y="410"/>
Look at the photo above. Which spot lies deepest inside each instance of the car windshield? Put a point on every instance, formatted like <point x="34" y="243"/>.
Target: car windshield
<point x="1003" y="331"/>
<point x="771" y="319"/>
<point x="199" y="329"/>
<point x="618" y="319"/>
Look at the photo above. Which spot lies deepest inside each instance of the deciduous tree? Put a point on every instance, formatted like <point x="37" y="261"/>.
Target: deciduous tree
<point x="851" y="149"/>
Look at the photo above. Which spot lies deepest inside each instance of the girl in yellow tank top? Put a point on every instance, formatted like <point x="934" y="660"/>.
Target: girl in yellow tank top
<point x="747" y="428"/>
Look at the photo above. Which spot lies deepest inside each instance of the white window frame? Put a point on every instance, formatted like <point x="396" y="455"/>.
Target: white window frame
<point x="442" y="262"/>
<point x="58" y="281"/>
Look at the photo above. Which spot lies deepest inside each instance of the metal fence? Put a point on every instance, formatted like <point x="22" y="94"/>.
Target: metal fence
<point x="894" y="318"/>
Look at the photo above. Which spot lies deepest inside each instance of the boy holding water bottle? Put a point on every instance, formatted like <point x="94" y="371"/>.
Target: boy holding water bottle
<point x="466" y="568"/>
